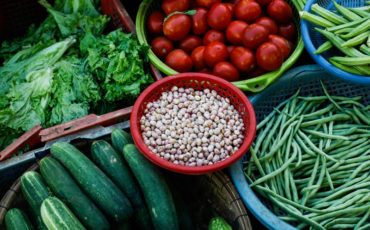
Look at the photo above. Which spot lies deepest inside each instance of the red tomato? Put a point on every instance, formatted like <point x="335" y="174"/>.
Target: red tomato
<point x="169" y="6"/>
<point x="280" y="11"/>
<point x="288" y="31"/>
<point x="254" y="35"/>
<point x="226" y="71"/>
<point x="269" y="24"/>
<point x="207" y="3"/>
<point x="230" y="49"/>
<point x="247" y="10"/>
<point x="243" y="59"/>
<point x="177" y="26"/>
<point x="219" y="16"/>
<point x="269" y="56"/>
<point x="155" y="22"/>
<point x="230" y="6"/>
<point x="189" y="43"/>
<point x="263" y="2"/>
<point x="179" y="61"/>
<point x="234" y="32"/>
<point x="205" y="70"/>
<point x="213" y="36"/>
<point x="214" y="53"/>
<point x="161" y="46"/>
<point x="199" y="21"/>
<point x="284" y="45"/>
<point x="197" y="58"/>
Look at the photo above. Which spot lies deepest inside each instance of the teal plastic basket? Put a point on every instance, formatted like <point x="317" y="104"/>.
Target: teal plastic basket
<point x="307" y="78"/>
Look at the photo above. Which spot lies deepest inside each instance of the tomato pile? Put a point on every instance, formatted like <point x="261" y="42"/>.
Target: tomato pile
<point x="247" y="37"/>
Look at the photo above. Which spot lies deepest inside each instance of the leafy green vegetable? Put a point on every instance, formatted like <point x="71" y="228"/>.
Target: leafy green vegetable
<point x="65" y="69"/>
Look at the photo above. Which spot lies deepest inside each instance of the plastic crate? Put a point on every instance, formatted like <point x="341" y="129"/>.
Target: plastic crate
<point x="19" y="15"/>
<point x="209" y="195"/>
<point x="307" y="78"/>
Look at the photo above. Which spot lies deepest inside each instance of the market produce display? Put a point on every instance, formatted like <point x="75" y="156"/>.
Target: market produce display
<point x="310" y="161"/>
<point x="347" y="30"/>
<point x="223" y="38"/>
<point x="192" y="127"/>
<point x="66" y="68"/>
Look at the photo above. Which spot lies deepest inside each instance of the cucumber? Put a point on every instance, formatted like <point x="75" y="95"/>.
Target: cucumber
<point x="93" y="181"/>
<point x="15" y="219"/>
<point x="66" y="189"/>
<point x="218" y="223"/>
<point x="115" y="168"/>
<point x="35" y="192"/>
<point x="120" y="138"/>
<point x="56" y="216"/>
<point x="157" y="195"/>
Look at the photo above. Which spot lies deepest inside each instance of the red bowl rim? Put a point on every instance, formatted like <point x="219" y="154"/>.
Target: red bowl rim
<point x="142" y="147"/>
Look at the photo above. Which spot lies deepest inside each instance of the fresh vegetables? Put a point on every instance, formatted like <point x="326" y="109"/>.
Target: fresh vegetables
<point x="35" y="192"/>
<point x="155" y="190"/>
<point x="191" y="127"/>
<point x="56" y="216"/>
<point x="218" y="223"/>
<point x="310" y="160"/>
<point x="93" y="181"/>
<point x="16" y="219"/>
<point x="65" y="188"/>
<point x="201" y="36"/>
<point x="113" y="166"/>
<point x="65" y="69"/>
<point x="347" y="29"/>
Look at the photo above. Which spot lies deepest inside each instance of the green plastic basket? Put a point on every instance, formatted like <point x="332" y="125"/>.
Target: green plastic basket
<point x="255" y="84"/>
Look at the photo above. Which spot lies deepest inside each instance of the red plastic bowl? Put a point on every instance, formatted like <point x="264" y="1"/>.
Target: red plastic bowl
<point x="197" y="81"/>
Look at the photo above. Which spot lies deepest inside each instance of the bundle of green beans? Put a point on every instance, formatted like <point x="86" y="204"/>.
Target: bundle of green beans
<point x="347" y="29"/>
<point x="311" y="161"/>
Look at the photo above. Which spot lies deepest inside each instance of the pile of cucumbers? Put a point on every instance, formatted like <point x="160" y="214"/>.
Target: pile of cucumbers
<point x="116" y="188"/>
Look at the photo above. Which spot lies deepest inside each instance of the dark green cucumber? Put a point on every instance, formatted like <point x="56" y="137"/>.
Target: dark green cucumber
<point x="15" y="219"/>
<point x="157" y="195"/>
<point x="114" y="167"/>
<point x="93" y="181"/>
<point x="120" y="138"/>
<point x="56" y="216"/>
<point x="35" y="192"/>
<point x="65" y="188"/>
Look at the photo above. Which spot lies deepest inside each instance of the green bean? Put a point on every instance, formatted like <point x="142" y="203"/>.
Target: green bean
<point x="347" y="25"/>
<point x="365" y="119"/>
<point x="297" y="205"/>
<point x="346" y="12"/>
<point x="365" y="49"/>
<point x="355" y="41"/>
<point x="315" y="19"/>
<point x="334" y="18"/>
<point x="294" y="188"/>
<point x="263" y="134"/>
<point x="365" y="60"/>
<point x="319" y="112"/>
<point x="343" y="31"/>
<point x="345" y="68"/>
<point x="328" y="177"/>
<point x="351" y="102"/>
<point x="279" y="144"/>
<point x="324" y="135"/>
<point x="360" y="12"/>
<point x="324" y="47"/>
<point x="345" y="220"/>
<point x="344" y="190"/>
<point x="276" y="172"/>
<point x="363" y="27"/>
<point x="363" y="220"/>
<point x="336" y="117"/>
<point x="343" y="226"/>
<point x="359" y="169"/>
<point x="337" y="42"/>
<point x="272" y="131"/>
<point x="310" y="182"/>
<point x="257" y="162"/>
<point x="314" y="148"/>
<point x="367" y="226"/>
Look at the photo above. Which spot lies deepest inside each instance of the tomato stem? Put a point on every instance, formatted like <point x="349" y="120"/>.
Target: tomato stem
<point x="188" y="12"/>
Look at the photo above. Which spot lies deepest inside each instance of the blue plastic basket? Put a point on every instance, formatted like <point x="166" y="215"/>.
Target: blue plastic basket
<point x="308" y="79"/>
<point x="313" y="39"/>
